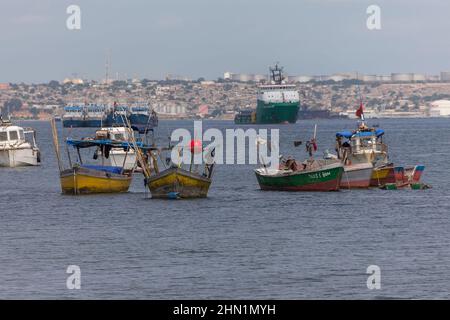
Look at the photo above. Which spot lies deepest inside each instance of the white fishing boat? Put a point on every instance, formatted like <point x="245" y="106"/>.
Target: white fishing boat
<point x="15" y="149"/>
<point x="116" y="157"/>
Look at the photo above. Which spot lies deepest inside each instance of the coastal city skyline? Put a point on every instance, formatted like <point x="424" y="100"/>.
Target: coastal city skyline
<point x="192" y="39"/>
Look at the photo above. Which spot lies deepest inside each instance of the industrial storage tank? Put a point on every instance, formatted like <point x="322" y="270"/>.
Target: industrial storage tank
<point x="337" y="77"/>
<point x="369" y="78"/>
<point x="419" y="77"/>
<point x="301" y="79"/>
<point x="235" y="76"/>
<point x="322" y="78"/>
<point x="384" y="78"/>
<point x="402" y="77"/>
<point x="260" y="77"/>
<point x="244" y="77"/>
<point x="445" y="76"/>
<point x="433" y="78"/>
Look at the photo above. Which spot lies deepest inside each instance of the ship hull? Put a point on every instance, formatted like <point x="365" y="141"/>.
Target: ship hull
<point x="142" y="123"/>
<point x="94" y="123"/>
<point x="357" y="176"/>
<point x="382" y="176"/>
<point x="81" y="180"/>
<point x="177" y="182"/>
<point x="75" y="123"/>
<point x="19" y="157"/>
<point x="273" y="113"/>
<point x="325" y="179"/>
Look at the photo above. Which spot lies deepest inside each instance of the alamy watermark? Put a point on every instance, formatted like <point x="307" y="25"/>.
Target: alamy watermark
<point x="374" y="280"/>
<point x="74" y="280"/>
<point x="234" y="143"/>
<point x="73" y="22"/>
<point x="374" y="19"/>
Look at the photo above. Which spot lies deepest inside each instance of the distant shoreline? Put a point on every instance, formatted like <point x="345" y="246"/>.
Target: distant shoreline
<point x="231" y="120"/>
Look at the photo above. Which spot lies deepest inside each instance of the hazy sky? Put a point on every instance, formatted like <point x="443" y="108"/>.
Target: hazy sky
<point x="152" y="38"/>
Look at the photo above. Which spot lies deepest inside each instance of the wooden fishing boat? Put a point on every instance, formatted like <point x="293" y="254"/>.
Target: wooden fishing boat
<point x="177" y="182"/>
<point x="365" y="146"/>
<point x="311" y="175"/>
<point x="81" y="178"/>
<point x="94" y="179"/>
<point x="359" y="154"/>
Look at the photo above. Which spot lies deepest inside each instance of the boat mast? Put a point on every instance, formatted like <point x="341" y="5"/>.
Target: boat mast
<point x="360" y="101"/>
<point x="56" y="143"/>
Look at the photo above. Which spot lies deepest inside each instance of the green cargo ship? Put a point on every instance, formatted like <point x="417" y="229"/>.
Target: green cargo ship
<point x="277" y="102"/>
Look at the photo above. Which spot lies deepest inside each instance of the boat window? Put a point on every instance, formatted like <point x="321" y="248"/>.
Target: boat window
<point x="3" y="136"/>
<point x="13" y="135"/>
<point x="21" y="136"/>
<point x="365" y="142"/>
<point x="118" y="136"/>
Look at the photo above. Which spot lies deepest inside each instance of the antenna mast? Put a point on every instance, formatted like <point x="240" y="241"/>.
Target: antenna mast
<point x="107" y="66"/>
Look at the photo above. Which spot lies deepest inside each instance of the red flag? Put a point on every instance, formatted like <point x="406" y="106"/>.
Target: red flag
<point x="314" y="143"/>
<point x="360" y="112"/>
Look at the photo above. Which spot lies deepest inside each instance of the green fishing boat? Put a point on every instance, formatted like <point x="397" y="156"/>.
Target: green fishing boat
<point x="310" y="175"/>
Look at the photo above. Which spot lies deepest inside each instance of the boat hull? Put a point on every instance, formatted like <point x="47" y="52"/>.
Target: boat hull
<point x="283" y="112"/>
<point x="382" y="175"/>
<point x="325" y="179"/>
<point x="178" y="182"/>
<point x="83" y="123"/>
<point x="357" y="176"/>
<point x="19" y="157"/>
<point x="93" y="123"/>
<point x="75" y="123"/>
<point x="413" y="174"/>
<point x="79" y="180"/>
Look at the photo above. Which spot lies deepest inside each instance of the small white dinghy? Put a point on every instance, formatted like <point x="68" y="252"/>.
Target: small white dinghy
<point x="15" y="150"/>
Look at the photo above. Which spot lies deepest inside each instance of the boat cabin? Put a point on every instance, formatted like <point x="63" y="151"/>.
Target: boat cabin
<point x="362" y="145"/>
<point x="114" y="134"/>
<point x="14" y="135"/>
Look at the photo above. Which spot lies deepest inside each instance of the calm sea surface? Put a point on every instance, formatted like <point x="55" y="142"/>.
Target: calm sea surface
<point x="240" y="242"/>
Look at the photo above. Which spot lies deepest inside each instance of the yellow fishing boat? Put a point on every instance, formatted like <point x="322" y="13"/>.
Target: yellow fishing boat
<point x="85" y="180"/>
<point x="178" y="183"/>
<point x="175" y="182"/>
<point x="88" y="179"/>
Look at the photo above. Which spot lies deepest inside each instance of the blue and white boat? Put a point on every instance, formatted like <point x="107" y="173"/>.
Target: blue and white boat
<point x="142" y="118"/>
<point x="74" y="116"/>
<point x="95" y="116"/>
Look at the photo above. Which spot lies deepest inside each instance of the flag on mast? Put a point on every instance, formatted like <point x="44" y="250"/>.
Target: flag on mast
<point x="360" y="112"/>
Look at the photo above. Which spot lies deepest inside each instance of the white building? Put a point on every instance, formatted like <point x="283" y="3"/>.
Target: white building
<point x="440" y="108"/>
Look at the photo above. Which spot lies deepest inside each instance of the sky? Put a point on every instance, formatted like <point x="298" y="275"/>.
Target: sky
<point x="204" y="38"/>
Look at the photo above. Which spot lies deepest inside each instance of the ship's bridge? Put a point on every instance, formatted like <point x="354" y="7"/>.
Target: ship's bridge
<point x="278" y="93"/>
